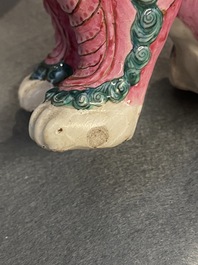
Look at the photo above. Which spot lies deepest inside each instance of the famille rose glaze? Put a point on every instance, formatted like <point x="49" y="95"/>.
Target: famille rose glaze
<point x="94" y="81"/>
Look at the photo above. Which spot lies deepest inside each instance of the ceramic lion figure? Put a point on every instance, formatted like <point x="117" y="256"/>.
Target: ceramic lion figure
<point x="93" y="82"/>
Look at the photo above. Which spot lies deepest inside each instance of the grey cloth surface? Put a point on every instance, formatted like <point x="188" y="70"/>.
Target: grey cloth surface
<point x="133" y="204"/>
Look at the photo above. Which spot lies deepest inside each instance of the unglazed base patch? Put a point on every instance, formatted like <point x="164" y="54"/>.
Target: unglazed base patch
<point x="65" y="128"/>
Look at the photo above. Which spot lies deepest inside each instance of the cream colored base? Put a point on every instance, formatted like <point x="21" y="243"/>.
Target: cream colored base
<point x="65" y="128"/>
<point x="184" y="67"/>
<point x="32" y="93"/>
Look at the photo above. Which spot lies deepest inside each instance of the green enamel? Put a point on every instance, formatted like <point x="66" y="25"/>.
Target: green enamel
<point x="144" y="31"/>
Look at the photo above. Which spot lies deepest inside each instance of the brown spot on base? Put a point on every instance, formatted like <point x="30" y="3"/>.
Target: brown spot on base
<point x="97" y="136"/>
<point x="60" y="130"/>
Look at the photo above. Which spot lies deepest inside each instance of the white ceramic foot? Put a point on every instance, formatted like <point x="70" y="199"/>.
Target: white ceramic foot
<point x="184" y="63"/>
<point x="65" y="128"/>
<point x="32" y="93"/>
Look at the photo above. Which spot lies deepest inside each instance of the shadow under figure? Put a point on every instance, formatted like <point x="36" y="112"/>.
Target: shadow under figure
<point x="95" y="79"/>
<point x="6" y="6"/>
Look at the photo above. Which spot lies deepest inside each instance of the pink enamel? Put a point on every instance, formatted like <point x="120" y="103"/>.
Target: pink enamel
<point x="116" y="48"/>
<point x="94" y="38"/>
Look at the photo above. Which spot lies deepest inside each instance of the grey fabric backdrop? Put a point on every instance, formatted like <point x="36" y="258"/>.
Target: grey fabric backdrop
<point x="133" y="204"/>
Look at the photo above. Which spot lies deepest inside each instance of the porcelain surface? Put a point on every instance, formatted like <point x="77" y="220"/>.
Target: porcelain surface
<point x="104" y="57"/>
